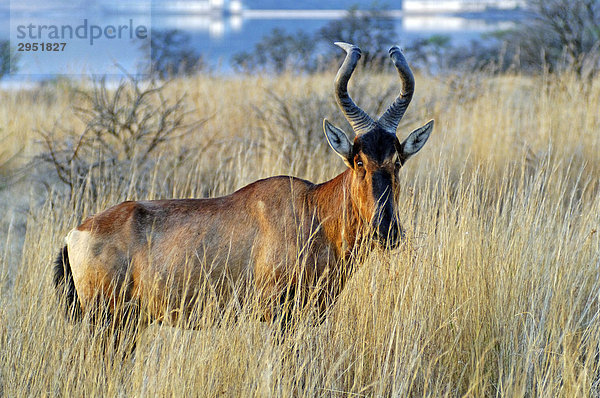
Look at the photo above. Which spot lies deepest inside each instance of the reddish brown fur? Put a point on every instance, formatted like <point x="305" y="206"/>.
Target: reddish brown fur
<point x="152" y="250"/>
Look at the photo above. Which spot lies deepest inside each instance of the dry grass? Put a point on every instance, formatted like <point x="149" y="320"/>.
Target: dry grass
<point x="497" y="295"/>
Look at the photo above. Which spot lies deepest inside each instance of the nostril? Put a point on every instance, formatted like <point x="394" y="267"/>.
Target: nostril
<point x="391" y="235"/>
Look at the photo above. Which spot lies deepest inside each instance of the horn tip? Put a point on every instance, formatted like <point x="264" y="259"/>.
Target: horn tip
<point x="394" y="50"/>
<point x="347" y="46"/>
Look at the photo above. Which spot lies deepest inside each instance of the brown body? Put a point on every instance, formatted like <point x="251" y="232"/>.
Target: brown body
<point x="271" y="236"/>
<point x="160" y="252"/>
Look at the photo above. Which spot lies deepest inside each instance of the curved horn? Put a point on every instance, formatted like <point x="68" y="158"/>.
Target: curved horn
<point x="358" y="119"/>
<point x="391" y="118"/>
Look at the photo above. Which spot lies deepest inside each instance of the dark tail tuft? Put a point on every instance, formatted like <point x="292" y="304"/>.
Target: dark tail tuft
<point x="63" y="281"/>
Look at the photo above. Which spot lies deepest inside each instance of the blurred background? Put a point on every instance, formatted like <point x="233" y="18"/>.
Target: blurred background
<point x="227" y="36"/>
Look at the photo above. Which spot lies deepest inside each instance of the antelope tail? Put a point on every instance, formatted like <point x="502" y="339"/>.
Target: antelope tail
<point x="63" y="281"/>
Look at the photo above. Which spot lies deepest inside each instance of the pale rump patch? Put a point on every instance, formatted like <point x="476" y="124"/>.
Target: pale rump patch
<point x="96" y="265"/>
<point x="78" y="246"/>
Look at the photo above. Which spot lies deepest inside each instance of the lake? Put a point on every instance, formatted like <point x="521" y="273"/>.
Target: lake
<point x="217" y="28"/>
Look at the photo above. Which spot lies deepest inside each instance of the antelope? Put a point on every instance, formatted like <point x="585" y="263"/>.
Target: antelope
<point x="159" y="252"/>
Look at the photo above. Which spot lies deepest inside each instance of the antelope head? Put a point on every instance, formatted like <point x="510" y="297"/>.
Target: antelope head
<point x="376" y="155"/>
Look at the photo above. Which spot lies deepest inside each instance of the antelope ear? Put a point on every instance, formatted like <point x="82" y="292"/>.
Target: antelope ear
<point x="415" y="141"/>
<point x="339" y="141"/>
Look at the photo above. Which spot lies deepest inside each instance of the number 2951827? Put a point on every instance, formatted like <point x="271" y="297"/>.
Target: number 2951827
<point x="43" y="46"/>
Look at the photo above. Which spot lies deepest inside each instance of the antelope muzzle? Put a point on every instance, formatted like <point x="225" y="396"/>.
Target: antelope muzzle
<point x="385" y="226"/>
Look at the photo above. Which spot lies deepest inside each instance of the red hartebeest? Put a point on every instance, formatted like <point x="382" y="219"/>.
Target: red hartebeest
<point x="158" y="252"/>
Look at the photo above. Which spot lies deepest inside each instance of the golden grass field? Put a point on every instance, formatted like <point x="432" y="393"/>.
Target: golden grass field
<point x="496" y="293"/>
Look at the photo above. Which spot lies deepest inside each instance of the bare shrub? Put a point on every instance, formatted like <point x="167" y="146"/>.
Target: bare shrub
<point x="124" y="128"/>
<point x="560" y="34"/>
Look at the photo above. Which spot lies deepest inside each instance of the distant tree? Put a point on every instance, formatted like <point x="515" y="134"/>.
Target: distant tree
<point x="5" y="58"/>
<point x="437" y="54"/>
<point x="372" y="30"/>
<point x="277" y="52"/>
<point x="171" y="54"/>
<point x="430" y="53"/>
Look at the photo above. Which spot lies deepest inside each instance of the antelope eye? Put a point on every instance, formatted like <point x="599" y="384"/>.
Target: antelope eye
<point x="398" y="164"/>
<point x="359" y="163"/>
